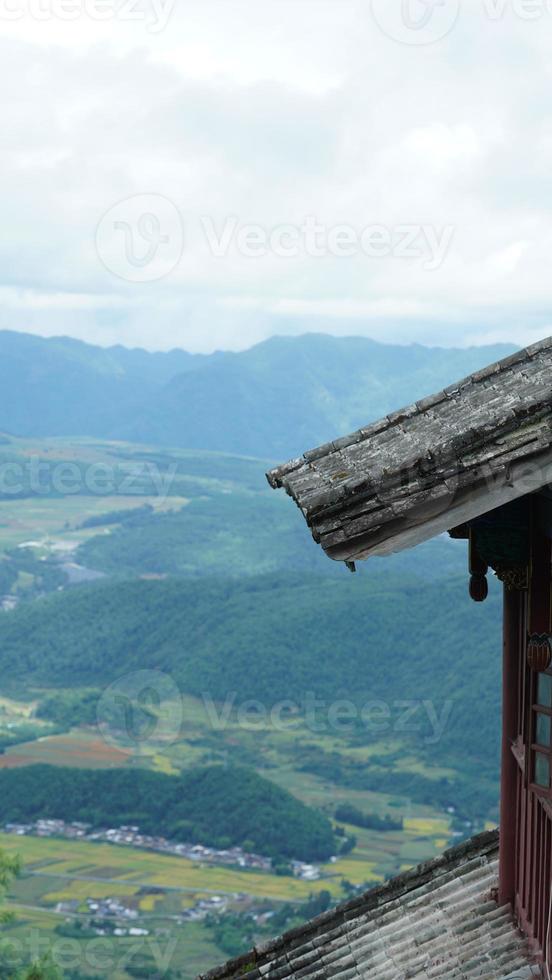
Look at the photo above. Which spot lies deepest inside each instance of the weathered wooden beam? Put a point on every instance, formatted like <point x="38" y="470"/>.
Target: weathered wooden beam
<point x="509" y="766"/>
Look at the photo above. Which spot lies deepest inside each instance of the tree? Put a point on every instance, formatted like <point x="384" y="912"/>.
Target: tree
<point x="43" y="969"/>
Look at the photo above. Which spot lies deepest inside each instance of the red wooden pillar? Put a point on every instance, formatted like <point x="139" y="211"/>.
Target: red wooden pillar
<point x="509" y="765"/>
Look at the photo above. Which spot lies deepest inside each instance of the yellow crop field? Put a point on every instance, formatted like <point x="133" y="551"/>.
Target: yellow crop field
<point x="10" y="709"/>
<point x="120" y="865"/>
<point x="79" y="890"/>
<point x="427" y="826"/>
<point x="413" y="765"/>
<point x="161" y="763"/>
<point x="39" y="918"/>
<point x="355" y="870"/>
<point x="148" y="903"/>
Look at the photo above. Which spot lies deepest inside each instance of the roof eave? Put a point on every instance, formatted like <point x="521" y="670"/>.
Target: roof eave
<point x="448" y="509"/>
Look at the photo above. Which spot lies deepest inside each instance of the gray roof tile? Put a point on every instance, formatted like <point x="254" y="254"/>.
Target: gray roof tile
<point x="437" y="922"/>
<point x="417" y="472"/>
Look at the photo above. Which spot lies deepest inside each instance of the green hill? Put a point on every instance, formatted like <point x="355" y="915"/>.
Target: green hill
<point x="214" y="805"/>
<point x="289" y="394"/>
<point x="275" y="400"/>
<point x="392" y="639"/>
<point x="237" y="534"/>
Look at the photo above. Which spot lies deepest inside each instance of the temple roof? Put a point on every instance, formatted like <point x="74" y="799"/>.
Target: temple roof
<point x="444" y="460"/>
<point x="440" y="920"/>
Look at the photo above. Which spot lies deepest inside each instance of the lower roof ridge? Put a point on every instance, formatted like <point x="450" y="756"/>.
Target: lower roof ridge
<point x="371" y="900"/>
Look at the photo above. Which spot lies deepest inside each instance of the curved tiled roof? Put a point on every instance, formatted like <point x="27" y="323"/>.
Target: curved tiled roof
<point x="439" y="921"/>
<point x="433" y="465"/>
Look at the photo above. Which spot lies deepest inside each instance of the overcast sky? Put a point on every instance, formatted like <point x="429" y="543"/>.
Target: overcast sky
<point x="205" y="173"/>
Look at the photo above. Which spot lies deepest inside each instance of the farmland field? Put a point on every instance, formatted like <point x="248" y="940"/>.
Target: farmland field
<point x="79" y="748"/>
<point x="64" y="860"/>
<point x="188" y="949"/>
<point x="276" y="754"/>
<point x="159" y="887"/>
<point x="49" y="488"/>
<point x="162" y="887"/>
<point x="196" y="523"/>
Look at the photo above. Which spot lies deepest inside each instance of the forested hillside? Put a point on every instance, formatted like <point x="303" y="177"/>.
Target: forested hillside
<point x="277" y="399"/>
<point x="278" y="637"/>
<point x="213" y="579"/>
<point x="230" y="534"/>
<point x="215" y="805"/>
<point x="236" y="535"/>
<point x="291" y="694"/>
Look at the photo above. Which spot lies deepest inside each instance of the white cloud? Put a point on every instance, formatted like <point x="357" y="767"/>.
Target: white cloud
<point x="506" y="261"/>
<point x="274" y="112"/>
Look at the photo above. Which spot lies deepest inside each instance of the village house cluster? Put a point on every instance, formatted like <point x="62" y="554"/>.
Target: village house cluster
<point x="132" y="837"/>
<point x="106" y="916"/>
<point x="111" y="917"/>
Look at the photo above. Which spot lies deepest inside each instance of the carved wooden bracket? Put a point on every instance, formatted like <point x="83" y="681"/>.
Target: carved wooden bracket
<point x="514" y="577"/>
<point x="539" y="651"/>
<point x="479" y="588"/>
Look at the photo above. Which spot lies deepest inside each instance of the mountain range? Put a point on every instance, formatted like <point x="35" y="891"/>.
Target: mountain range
<point x="274" y="400"/>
